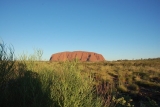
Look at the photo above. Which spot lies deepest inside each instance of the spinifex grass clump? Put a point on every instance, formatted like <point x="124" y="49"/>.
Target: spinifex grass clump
<point x="19" y="87"/>
<point x="7" y="66"/>
<point x="69" y="88"/>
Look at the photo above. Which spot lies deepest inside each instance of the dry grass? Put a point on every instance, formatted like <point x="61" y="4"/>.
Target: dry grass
<point x="112" y="83"/>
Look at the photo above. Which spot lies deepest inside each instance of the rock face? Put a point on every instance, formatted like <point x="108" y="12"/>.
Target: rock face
<point x="81" y="55"/>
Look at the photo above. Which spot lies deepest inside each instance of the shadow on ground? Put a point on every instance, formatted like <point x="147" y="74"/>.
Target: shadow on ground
<point x="21" y="88"/>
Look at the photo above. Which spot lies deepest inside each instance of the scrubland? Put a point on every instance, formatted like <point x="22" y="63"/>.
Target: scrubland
<point x="30" y="82"/>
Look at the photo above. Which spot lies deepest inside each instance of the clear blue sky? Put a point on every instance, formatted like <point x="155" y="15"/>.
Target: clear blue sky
<point x="117" y="29"/>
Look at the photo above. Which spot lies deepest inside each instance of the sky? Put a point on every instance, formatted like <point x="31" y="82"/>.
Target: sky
<point x="117" y="29"/>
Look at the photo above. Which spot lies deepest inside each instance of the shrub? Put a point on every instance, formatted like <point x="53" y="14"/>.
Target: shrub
<point x="69" y="88"/>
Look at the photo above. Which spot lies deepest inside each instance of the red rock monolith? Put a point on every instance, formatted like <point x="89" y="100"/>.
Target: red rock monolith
<point x="81" y="55"/>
